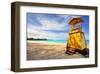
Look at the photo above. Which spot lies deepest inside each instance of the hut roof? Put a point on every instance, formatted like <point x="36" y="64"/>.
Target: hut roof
<point x="75" y="21"/>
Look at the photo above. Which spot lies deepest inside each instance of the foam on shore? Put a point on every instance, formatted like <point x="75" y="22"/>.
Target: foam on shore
<point x="45" y="42"/>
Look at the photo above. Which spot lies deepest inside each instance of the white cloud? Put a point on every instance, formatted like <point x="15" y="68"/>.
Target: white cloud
<point x="48" y="24"/>
<point x="36" y="33"/>
<point x="51" y="24"/>
<point x="64" y="16"/>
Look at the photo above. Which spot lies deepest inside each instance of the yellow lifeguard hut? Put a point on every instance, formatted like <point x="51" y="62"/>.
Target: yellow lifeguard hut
<point x="76" y="39"/>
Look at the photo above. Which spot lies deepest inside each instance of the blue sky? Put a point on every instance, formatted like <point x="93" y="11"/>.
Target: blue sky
<point x="53" y="26"/>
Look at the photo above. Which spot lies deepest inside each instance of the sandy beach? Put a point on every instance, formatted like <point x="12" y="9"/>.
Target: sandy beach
<point x="44" y="51"/>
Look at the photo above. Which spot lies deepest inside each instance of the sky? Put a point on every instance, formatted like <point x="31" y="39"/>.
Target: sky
<point x="53" y="26"/>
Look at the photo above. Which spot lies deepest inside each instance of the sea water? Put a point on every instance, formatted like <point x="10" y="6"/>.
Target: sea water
<point x="52" y="41"/>
<point x="56" y="41"/>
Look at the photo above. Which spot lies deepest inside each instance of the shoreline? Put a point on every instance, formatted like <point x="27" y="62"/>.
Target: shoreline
<point x="47" y="43"/>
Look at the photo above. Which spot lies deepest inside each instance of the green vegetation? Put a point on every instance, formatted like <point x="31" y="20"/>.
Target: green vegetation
<point x="35" y="39"/>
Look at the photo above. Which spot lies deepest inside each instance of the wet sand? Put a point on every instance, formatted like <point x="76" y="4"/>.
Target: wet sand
<point x="44" y="51"/>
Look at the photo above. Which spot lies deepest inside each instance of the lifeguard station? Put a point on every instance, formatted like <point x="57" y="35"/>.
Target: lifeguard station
<point x="76" y="39"/>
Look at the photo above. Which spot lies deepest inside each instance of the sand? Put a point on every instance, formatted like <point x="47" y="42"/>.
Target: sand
<point x="44" y="51"/>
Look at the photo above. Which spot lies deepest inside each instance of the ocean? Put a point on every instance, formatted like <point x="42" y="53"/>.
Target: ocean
<point x="56" y="41"/>
<point x="51" y="41"/>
